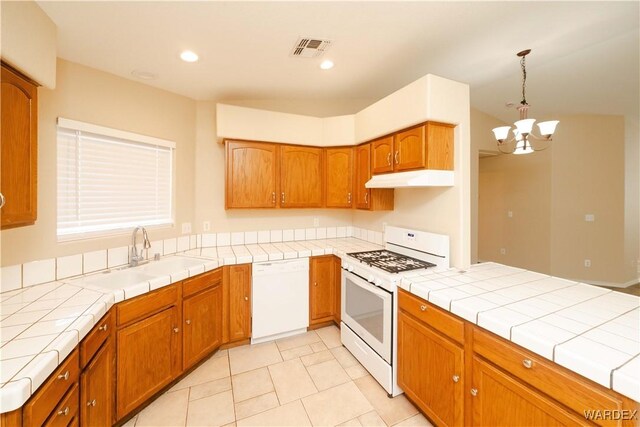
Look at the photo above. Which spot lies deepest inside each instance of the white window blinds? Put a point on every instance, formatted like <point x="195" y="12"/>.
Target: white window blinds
<point x="111" y="180"/>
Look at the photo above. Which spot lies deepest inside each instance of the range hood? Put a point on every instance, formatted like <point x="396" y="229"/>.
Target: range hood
<point x="420" y="178"/>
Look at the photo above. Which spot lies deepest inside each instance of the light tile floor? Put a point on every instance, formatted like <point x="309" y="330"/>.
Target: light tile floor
<point x="305" y="380"/>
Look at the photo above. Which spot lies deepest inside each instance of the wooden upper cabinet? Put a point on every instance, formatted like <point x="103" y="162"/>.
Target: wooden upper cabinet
<point x="237" y="296"/>
<point x="363" y="174"/>
<point x="409" y="149"/>
<point x="382" y="155"/>
<point x="338" y="177"/>
<point x="252" y="175"/>
<point x="300" y="177"/>
<point x="498" y="399"/>
<point x="322" y="288"/>
<point x="439" y="145"/>
<point x="19" y="152"/>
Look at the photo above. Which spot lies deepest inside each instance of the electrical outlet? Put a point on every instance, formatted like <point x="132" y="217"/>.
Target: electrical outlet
<point x="206" y="226"/>
<point x="316" y="222"/>
<point x="589" y="217"/>
<point x="503" y="251"/>
<point x="587" y="263"/>
<point x="186" y="227"/>
<point x="510" y="214"/>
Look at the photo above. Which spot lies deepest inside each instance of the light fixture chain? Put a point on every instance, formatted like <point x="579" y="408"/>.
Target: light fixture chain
<point x="524" y="80"/>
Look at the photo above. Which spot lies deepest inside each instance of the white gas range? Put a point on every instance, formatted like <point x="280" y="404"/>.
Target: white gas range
<point x="369" y="296"/>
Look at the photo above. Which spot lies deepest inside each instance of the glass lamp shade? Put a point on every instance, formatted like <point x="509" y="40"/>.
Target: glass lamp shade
<point x="524" y="126"/>
<point x="501" y="132"/>
<point x="548" y="128"/>
<point x="522" y="147"/>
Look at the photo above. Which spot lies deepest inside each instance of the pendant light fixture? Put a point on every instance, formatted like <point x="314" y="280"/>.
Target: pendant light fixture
<point x="523" y="131"/>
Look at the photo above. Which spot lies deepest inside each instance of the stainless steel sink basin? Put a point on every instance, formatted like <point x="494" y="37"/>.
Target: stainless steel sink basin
<point x="171" y="265"/>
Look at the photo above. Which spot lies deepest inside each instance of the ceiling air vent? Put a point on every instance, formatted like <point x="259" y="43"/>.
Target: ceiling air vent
<point x="308" y="47"/>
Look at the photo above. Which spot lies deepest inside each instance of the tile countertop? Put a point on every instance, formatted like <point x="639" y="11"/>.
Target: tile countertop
<point x="41" y="325"/>
<point x="592" y="331"/>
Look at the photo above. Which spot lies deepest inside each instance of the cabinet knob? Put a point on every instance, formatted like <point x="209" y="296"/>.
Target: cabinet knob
<point x="246" y="298"/>
<point x="176" y="330"/>
<point x="397" y="155"/>
<point x="389" y="158"/>
<point x="103" y="327"/>
<point x="527" y="363"/>
<point x="64" y="376"/>
<point x="273" y="197"/>
<point x="64" y="411"/>
<point x="1" y="200"/>
<point x="456" y="378"/>
<point x="474" y="392"/>
<point x="91" y="403"/>
<point x="366" y="198"/>
<point x="315" y="283"/>
<point x="282" y="198"/>
<point x="423" y="307"/>
<point x="188" y="321"/>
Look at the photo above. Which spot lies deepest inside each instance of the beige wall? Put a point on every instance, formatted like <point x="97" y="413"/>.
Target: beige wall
<point x="93" y="96"/>
<point x="549" y="193"/>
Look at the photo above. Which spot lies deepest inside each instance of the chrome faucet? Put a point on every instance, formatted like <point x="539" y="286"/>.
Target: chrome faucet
<point x="135" y="258"/>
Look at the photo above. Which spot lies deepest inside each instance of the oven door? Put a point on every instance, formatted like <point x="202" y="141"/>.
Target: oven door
<point x="367" y="310"/>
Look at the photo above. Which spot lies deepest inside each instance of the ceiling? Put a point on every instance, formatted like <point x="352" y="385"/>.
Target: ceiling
<point x="584" y="58"/>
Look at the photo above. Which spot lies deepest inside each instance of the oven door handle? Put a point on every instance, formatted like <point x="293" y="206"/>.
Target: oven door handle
<point x="370" y="287"/>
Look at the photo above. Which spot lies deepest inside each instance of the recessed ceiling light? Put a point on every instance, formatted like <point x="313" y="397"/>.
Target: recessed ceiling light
<point x="188" y="56"/>
<point x="144" y="75"/>
<point x="327" y="64"/>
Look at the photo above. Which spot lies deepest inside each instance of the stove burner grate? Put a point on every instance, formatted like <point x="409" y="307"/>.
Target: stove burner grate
<point x="390" y="261"/>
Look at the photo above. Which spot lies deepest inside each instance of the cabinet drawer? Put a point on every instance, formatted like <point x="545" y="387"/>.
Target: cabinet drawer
<point x="435" y="317"/>
<point x="41" y="404"/>
<point x="67" y="409"/>
<point x="565" y="387"/>
<point x="145" y="305"/>
<point x="201" y="282"/>
<point x="94" y="339"/>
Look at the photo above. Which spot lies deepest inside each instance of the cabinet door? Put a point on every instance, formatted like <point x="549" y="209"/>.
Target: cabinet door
<point x="363" y="174"/>
<point x="202" y="314"/>
<point x="238" y="278"/>
<point x="251" y="175"/>
<point x="430" y="369"/>
<point x="300" y="177"/>
<point x="409" y="149"/>
<point x="439" y="139"/>
<point x="148" y="358"/>
<point x="321" y="289"/>
<point x="19" y="151"/>
<point x="382" y="155"/>
<point x="501" y="400"/>
<point x="96" y="391"/>
<point x="338" y="177"/>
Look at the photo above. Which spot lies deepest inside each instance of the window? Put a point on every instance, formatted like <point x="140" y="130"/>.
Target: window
<point x="111" y="180"/>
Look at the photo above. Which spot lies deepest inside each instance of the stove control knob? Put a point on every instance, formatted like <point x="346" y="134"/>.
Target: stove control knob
<point x="378" y="282"/>
<point x="371" y="279"/>
<point x="350" y="268"/>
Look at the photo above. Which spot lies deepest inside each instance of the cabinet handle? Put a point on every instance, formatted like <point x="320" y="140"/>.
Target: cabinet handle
<point x="246" y="298"/>
<point x="282" y="198"/>
<point x="273" y="197"/>
<point x="64" y="376"/>
<point x="423" y="307"/>
<point x="456" y="378"/>
<point x="103" y="327"/>
<point x="349" y="198"/>
<point x="474" y="392"/>
<point x="389" y="158"/>
<point x="176" y="330"/>
<point x="91" y="403"/>
<point x="527" y="363"/>
<point x="366" y="198"/>
<point x="1" y="200"/>
<point x="396" y="157"/>
<point x="188" y="321"/>
<point x="64" y="411"/>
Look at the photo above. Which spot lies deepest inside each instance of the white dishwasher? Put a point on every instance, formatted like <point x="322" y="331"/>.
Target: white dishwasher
<point x="280" y="299"/>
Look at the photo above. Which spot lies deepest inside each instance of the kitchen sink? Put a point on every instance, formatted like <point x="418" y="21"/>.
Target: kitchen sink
<point x="117" y="279"/>
<point x="171" y="265"/>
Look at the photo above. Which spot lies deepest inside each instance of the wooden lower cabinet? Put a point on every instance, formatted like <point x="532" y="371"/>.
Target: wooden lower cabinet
<point x="500" y="400"/>
<point x="430" y="371"/>
<point x="202" y="314"/>
<point x="237" y="302"/>
<point x="322" y="289"/>
<point x="97" y="389"/>
<point x="148" y="358"/>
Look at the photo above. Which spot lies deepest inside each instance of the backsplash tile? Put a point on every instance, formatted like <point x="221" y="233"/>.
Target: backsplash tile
<point x="169" y="246"/>
<point x="276" y="236"/>
<point x="331" y="232"/>
<point x="11" y="278"/>
<point x="264" y="236"/>
<point x="321" y="233"/>
<point x="341" y="232"/>
<point x="193" y="241"/>
<point x="299" y="234"/>
<point x="310" y="234"/>
<point x="287" y="236"/>
<point x="182" y="244"/>
<point x="250" y="237"/>
<point x="117" y="256"/>
<point x="224" y="239"/>
<point x="208" y="240"/>
<point x="36" y="272"/>
<point x="237" y="238"/>
<point x="68" y="266"/>
<point x="94" y="261"/>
